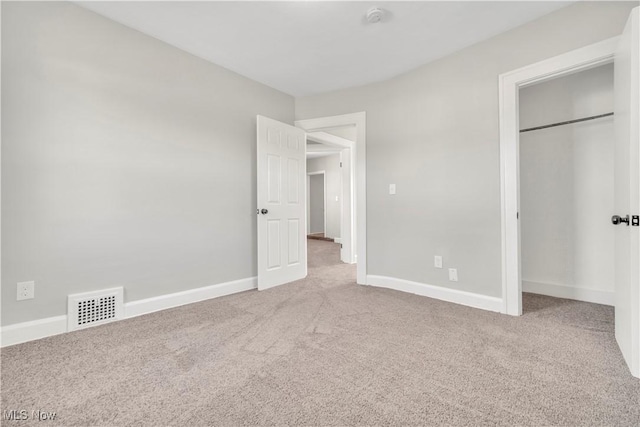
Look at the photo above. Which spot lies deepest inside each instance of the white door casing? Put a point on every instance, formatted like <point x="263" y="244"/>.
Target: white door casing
<point x="281" y="172"/>
<point x="627" y="192"/>
<point x="509" y="84"/>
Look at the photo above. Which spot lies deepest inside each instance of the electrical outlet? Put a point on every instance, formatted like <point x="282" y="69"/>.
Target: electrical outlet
<point x="26" y="290"/>
<point x="453" y="274"/>
<point x="392" y="189"/>
<point x="437" y="261"/>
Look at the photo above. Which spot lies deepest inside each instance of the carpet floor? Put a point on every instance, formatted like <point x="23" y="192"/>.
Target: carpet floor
<point x="319" y="236"/>
<point x="325" y="351"/>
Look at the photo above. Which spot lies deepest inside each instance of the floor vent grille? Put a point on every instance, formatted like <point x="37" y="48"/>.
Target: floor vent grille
<point x="94" y="308"/>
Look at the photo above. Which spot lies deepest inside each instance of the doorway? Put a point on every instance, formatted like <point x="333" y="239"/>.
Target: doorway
<point x="325" y="167"/>
<point x="282" y="195"/>
<point x="509" y="85"/>
<point x="567" y="185"/>
<point x="346" y="136"/>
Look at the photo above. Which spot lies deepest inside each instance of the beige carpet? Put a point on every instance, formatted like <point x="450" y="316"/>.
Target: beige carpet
<point x="319" y="236"/>
<point x="324" y="351"/>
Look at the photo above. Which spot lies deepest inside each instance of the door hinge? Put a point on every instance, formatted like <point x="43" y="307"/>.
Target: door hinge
<point x="340" y="164"/>
<point x="635" y="220"/>
<point x="340" y="245"/>
<point x="517" y="215"/>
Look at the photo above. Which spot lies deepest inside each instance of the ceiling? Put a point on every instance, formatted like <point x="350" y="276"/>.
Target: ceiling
<point x="308" y="47"/>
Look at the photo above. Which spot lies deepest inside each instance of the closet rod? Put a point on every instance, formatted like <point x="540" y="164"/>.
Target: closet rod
<point x="567" y="122"/>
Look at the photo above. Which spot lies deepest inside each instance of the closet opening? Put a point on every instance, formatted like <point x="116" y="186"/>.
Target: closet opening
<point x="566" y="179"/>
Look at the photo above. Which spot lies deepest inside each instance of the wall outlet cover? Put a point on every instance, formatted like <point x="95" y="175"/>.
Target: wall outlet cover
<point x="453" y="274"/>
<point x="25" y="290"/>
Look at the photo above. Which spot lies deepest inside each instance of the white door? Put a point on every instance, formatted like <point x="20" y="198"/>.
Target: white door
<point x="282" y="168"/>
<point x="627" y="193"/>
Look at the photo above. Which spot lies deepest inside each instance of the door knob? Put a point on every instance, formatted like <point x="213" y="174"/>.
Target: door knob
<point x="265" y="211"/>
<point x="617" y="219"/>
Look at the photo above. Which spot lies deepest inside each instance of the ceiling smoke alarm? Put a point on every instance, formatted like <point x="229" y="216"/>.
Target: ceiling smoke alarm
<point x="375" y="15"/>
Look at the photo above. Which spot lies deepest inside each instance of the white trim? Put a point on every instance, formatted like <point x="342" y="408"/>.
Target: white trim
<point x="358" y="221"/>
<point x="569" y="292"/>
<point x="438" y="292"/>
<point x="337" y="240"/>
<point x="42" y="328"/>
<point x="33" y="330"/>
<point x="163" y="302"/>
<point x="332" y="142"/>
<point x="308" y="206"/>
<point x="509" y="84"/>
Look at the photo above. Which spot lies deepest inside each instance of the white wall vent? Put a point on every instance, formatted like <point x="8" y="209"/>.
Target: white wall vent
<point x="94" y="308"/>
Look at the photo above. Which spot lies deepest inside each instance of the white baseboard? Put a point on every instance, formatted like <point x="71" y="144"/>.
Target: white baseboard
<point x="438" y="292"/>
<point x="163" y="302"/>
<point x="42" y="328"/>
<point x="34" y="330"/>
<point x="337" y="240"/>
<point x="569" y="292"/>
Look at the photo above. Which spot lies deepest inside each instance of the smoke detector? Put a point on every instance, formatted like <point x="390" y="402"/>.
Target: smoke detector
<point x="375" y="15"/>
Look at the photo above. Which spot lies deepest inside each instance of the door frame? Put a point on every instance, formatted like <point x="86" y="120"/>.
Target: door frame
<point x="357" y="226"/>
<point x="324" y="195"/>
<point x="509" y="83"/>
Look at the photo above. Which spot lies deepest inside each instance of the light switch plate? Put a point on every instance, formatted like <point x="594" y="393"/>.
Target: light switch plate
<point x="392" y="189"/>
<point x="437" y="261"/>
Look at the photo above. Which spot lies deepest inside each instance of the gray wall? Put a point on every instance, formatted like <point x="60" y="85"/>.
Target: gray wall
<point x="124" y="161"/>
<point x="316" y="203"/>
<point x="331" y="166"/>
<point x="566" y="182"/>
<point x="434" y="133"/>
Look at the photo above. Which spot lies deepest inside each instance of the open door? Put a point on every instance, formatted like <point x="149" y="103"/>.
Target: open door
<point x="627" y="193"/>
<point x="282" y="168"/>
